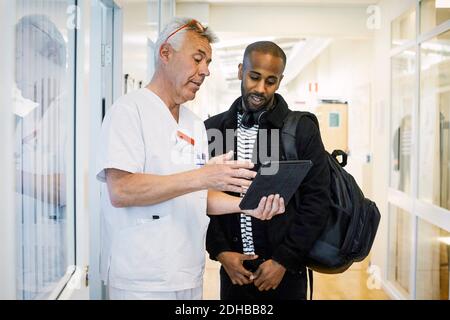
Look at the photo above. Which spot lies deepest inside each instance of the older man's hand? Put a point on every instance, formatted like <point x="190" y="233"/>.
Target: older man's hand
<point x="224" y="174"/>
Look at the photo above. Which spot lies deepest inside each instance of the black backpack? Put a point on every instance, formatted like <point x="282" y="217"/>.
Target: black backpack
<point x="353" y="220"/>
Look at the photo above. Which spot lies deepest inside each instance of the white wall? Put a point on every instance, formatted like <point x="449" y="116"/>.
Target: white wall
<point x="289" y="20"/>
<point x="138" y="27"/>
<point x="342" y="72"/>
<point x="339" y="68"/>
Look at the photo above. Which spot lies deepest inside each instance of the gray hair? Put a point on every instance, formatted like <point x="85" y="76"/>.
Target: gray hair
<point x="176" y="40"/>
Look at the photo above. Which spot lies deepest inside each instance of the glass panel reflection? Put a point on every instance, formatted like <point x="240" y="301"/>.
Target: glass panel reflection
<point x="403" y="28"/>
<point x="42" y="108"/>
<point x="433" y="248"/>
<point x="433" y="13"/>
<point x="434" y="138"/>
<point x="402" y="102"/>
<point x="400" y="240"/>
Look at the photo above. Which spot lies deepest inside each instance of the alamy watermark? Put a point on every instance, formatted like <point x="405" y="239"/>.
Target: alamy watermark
<point x="187" y="149"/>
<point x="374" y="279"/>
<point x="373" y="22"/>
<point x="73" y="17"/>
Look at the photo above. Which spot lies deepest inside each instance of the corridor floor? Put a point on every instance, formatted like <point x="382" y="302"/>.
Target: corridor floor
<point x="354" y="284"/>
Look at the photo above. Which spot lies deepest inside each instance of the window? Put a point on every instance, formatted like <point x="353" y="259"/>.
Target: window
<point x="433" y="257"/>
<point x="420" y="152"/>
<point x="403" y="29"/>
<point x="43" y="147"/>
<point x="402" y="103"/>
<point x="434" y="138"/>
<point x="433" y="13"/>
<point x="400" y="240"/>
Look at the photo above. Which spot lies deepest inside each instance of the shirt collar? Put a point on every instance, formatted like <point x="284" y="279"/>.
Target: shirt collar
<point x="279" y="112"/>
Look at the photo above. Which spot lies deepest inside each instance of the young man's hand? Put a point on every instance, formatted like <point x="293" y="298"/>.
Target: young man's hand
<point x="269" y="275"/>
<point x="267" y="208"/>
<point x="232" y="263"/>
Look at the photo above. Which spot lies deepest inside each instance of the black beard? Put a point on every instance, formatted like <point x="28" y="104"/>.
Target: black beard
<point x="248" y="107"/>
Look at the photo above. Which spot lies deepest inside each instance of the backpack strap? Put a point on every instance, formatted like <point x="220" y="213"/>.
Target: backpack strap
<point x="289" y="131"/>
<point x="288" y="137"/>
<point x="288" y="134"/>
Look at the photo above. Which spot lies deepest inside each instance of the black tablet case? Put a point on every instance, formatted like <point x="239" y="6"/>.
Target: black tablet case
<point x="285" y="182"/>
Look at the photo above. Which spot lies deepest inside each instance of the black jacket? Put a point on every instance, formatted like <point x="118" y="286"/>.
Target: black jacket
<point x="290" y="235"/>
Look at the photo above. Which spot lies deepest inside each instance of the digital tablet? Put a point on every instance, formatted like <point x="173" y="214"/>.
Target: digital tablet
<point x="275" y="177"/>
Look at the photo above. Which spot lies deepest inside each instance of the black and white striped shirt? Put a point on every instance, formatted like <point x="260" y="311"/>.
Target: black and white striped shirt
<point x="246" y="138"/>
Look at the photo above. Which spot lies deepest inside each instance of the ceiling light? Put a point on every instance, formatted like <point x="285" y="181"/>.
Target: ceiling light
<point x="442" y="4"/>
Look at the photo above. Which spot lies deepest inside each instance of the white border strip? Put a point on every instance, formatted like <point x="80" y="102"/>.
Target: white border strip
<point x="444" y="27"/>
<point x="405" y="46"/>
<point x="94" y="120"/>
<point x="392" y="291"/>
<point x="401" y="200"/>
<point x="62" y="283"/>
<point x="432" y="214"/>
<point x="416" y="207"/>
<point x="8" y="220"/>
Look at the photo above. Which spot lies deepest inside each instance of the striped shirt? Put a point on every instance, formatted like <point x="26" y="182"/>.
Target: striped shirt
<point x="246" y="138"/>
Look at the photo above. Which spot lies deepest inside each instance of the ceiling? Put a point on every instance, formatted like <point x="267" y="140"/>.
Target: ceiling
<point x="227" y="53"/>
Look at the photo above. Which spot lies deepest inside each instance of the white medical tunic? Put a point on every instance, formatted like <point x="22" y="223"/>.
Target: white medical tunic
<point x="139" y="250"/>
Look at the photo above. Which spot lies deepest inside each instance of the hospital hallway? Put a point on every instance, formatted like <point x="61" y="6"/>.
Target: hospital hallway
<point x="375" y="74"/>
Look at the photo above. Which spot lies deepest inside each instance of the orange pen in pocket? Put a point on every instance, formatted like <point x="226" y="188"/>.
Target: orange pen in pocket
<point x="185" y="138"/>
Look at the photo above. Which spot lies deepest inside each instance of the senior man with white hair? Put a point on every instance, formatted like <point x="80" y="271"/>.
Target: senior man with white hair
<point x="159" y="185"/>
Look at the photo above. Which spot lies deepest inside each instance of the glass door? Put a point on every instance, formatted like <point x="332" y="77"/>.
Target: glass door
<point x="44" y="146"/>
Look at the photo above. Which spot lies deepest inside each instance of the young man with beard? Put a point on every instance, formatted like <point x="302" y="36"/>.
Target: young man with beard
<point x="280" y="244"/>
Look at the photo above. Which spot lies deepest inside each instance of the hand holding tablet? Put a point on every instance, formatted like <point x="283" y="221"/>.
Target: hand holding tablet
<point x="268" y="207"/>
<point x="276" y="177"/>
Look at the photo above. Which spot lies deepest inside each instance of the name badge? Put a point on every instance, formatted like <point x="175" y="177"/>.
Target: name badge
<point x="200" y="159"/>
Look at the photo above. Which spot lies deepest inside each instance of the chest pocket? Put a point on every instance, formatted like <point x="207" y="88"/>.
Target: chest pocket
<point x="171" y="155"/>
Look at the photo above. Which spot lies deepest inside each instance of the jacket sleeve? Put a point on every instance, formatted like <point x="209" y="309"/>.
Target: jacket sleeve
<point x="216" y="241"/>
<point x="311" y="205"/>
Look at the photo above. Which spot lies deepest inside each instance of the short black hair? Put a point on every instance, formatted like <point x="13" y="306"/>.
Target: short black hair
<point x="267" y="47"/>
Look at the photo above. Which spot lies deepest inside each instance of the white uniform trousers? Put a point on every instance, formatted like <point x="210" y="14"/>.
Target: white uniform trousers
<point x="188" y="294"/>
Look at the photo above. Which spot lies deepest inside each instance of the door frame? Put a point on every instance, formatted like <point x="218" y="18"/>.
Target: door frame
<point x="97" y="288"/>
